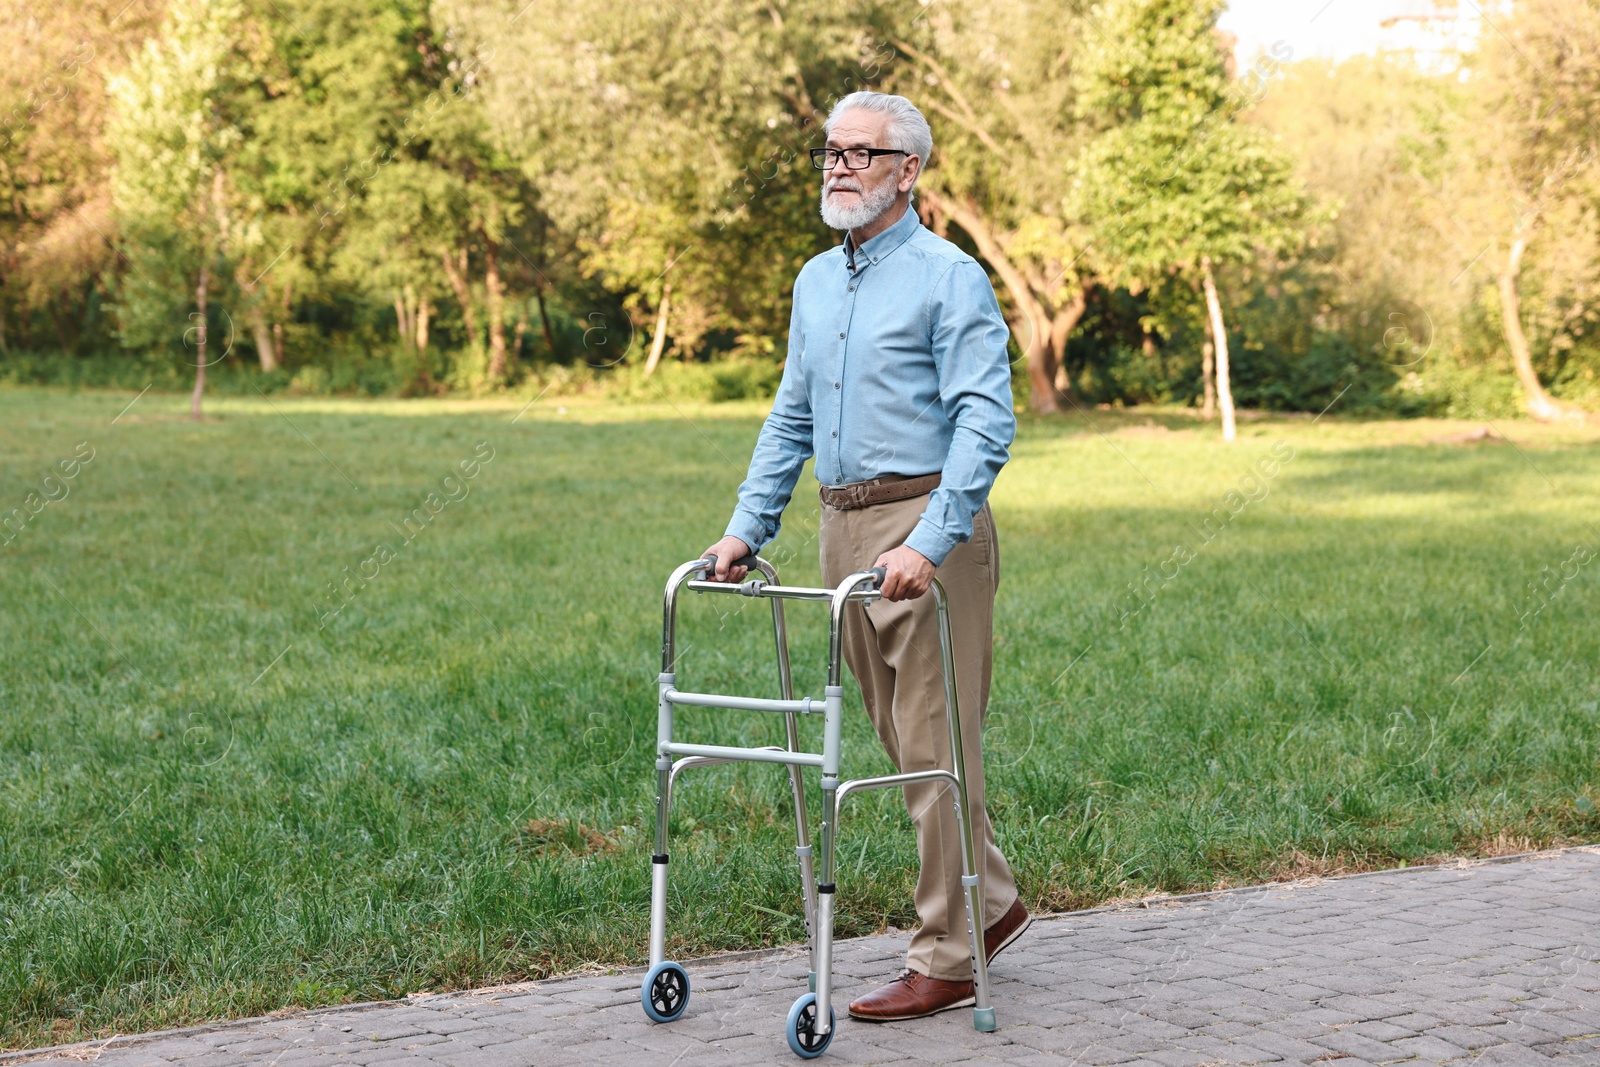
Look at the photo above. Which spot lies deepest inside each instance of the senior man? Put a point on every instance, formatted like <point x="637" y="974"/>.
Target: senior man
<point x="898" y="382"/>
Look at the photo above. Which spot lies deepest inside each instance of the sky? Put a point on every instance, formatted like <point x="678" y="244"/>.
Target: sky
<point x="1334" y="28"/>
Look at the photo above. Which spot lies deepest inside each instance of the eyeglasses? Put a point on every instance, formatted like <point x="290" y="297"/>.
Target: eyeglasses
<point x="854" y="158"/>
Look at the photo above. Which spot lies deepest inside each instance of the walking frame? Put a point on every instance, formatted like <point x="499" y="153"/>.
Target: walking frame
<point x="811" y="1022"/>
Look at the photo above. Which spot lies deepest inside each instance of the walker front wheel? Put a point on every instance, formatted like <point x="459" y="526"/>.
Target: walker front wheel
<point x="665" y="992"/>
<point x="801" y="1029"/>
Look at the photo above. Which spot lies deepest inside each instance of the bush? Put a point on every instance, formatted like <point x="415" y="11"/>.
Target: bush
<point x="310" y="381"/>
<point x="1331" y="368"/>
<point x="469" y="370"/>
<point x="729" y="379"/>
<point x="1445" y="388"/>
<point x="745" y="379"/>
<point x="118" y="370"/>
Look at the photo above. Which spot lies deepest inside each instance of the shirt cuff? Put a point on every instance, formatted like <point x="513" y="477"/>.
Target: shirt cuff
<point x="930" y="542"/>
<point x="748" y="529"/>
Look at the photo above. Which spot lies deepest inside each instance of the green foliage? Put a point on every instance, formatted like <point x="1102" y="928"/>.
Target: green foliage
<point x="338" y="167"/>
<point x="174" y="131"/>
<point x="746" y="379"/>
<point x="1173" y="176"/>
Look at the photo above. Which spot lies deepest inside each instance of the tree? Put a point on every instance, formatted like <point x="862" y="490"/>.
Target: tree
<point x="1542" y="79"/>
<point x="1374" y="137"/>
<point x="172" y="132"/>
<point x="1176" y="186"/>
<point x="409" y="216"/>
<point x="670" y="144"/>
<point x="352" y="100"/>
<point x="995" y="82"/>
<point x="57" y="229"/>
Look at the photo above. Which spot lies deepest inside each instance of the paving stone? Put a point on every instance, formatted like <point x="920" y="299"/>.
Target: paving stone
<point x="1293" y="1049"/>
<point x="1487" y="964"/>
<point x="1180" y="1057"/>
<point x="1351" y="1043"/>
<point x="1379" y="1030"/>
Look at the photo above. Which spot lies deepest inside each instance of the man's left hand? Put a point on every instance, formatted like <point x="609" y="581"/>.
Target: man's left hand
<point x="910" y="573"/>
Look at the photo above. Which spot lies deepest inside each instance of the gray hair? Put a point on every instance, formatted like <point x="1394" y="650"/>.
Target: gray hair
<point x="907" y="131"/>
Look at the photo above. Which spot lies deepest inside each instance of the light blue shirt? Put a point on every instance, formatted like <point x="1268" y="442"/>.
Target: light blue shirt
<point x="897" y="365"/>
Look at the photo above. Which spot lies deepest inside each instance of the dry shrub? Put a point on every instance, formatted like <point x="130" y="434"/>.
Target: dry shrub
<point x="1300" y="865"/>
<point x="1507" y="844"/>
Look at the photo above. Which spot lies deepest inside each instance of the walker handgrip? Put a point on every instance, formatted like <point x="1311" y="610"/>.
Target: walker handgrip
<point x="749" y="562"/>
<point x="878" y="575"/>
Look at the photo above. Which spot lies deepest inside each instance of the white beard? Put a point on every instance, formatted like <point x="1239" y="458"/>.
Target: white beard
<point x="868" y="206"/>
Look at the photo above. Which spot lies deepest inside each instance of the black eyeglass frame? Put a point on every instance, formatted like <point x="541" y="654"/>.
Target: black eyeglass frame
<point x="819" y="157"/>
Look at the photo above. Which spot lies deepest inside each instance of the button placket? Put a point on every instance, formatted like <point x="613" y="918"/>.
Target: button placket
<point x="838" y="407"/>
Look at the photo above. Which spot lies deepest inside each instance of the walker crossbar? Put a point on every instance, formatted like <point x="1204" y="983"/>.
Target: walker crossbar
<point x="742" y="755"/>
<point x="810" y="1025"/>
<point x="803" y="706"/>
<point x="776" y="592"/>
<point x="679" y="766"/>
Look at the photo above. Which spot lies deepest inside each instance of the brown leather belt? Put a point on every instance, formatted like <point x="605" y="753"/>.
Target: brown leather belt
<point x="884" y="490"/>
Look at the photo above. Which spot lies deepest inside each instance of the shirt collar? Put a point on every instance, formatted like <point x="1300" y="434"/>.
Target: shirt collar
<point x="880" y="245"/>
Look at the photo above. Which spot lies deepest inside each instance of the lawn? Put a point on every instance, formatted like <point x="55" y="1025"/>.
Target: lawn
<point x="226" y="789"/>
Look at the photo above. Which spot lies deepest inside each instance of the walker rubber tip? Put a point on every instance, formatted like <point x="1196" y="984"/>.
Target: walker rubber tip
<point x="983" y="1020"/>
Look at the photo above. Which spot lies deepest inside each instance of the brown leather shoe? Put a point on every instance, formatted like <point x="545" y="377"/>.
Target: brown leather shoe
<point x="1006" y="929"/>
<point x="911" y="996"/>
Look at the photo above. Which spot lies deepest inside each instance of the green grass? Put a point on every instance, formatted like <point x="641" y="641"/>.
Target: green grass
<point x="210" y="806"/>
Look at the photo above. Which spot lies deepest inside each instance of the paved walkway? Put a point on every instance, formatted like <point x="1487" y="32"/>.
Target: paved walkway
<point x="1493" y="963"/>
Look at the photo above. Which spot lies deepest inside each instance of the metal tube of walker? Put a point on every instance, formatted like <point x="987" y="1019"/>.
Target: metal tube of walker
<point x="825" y="901"/>
<point x="664" y="683"/>
<point x="797" y="782"/>
<point x="833" y="717"/>
<point x="971" y="820"/>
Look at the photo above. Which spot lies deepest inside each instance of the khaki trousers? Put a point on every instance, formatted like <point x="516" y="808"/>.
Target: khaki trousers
<point x="893" y="650"/>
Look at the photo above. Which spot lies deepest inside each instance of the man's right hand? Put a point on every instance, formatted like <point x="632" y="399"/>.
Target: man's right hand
<point x="727" y="550"/>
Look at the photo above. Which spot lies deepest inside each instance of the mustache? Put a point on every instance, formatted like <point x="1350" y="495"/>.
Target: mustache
<point x="842" y="183"/>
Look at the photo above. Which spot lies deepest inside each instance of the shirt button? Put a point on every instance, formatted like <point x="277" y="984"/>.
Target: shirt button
<point x="841" y="337"/>
<point x="850" y="289"/>
<point x="836" y="433"/>
<point x="836" y="385"/>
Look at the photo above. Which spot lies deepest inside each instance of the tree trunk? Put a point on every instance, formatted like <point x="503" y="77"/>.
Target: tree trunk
<point x="424" y="309"/>
<point x="516" y="340"/>
<point x="1208" y="381"/>
<point x="200" y="343"/>
<point x="1043" y="394"/>
<point x="1219" y="334"/>
<point x="403" y="315"/>
<point x="263" y="338"/>
<point x="1541" y="405"/>
<point x="544" y="317"/>
<point x="458" y="282"/>
<point x="934" y="219"/>
<point x="63" y="336"/>
<point x="658" y="343"/>
<point x="284" y="307"/>
<point x="1036" y="345"/>
<point x="1066" y="320"/>
<point x="497" y="312"/>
